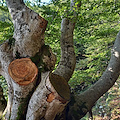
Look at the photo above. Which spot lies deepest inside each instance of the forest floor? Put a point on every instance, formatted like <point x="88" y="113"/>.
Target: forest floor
<point x="108" y="106"/>
<point x="2" y="107"/>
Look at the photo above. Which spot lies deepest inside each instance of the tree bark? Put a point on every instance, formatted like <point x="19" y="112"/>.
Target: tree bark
<point x="3" y="102"/>
<point x="28" y="43"/>
<point x="46" y="94"/>
<point x="68" y="60"/>
<point x="86" y="100"/>
<point x="50" y="98"/>
<point x="29" y="29"/>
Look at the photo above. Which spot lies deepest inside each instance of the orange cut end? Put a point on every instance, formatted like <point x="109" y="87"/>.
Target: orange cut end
<point x="23" y="71"/>
<point x="50" y="97"/>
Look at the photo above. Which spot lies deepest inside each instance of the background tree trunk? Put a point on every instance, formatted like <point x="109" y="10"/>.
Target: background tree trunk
<point x="2" y="101"/>
<point x="31" y="96"/>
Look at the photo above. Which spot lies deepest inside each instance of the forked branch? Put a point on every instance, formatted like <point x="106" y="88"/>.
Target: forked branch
<point x="86" y="100"/>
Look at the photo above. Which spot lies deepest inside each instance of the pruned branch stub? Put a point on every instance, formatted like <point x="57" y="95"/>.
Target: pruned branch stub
<point x="23" y="71"/>
<point x="61" y="86"/>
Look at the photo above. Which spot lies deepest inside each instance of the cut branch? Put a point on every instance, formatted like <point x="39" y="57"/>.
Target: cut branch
<point x="50" y="99"/>
<point x="23" y="71"/>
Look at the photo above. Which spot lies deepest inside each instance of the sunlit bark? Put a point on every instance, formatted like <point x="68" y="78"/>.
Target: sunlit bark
<point x="48" y="93"/>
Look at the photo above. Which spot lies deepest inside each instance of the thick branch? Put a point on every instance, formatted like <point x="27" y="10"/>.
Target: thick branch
<point x="23" y="72"/>
<point x="29" y="29"/>
<point x="86" y="100"/>
<point x="49" y="99"/>
<point x="68" y="60"/>
<point x="5" y="59"/>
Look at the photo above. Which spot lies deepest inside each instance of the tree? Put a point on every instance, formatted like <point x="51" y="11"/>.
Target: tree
<point x="35" y="92"/>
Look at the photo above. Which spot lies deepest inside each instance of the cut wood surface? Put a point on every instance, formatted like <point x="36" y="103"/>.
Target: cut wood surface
<point x="61" y="86"/>
<point x="23" y="71"/>
<point x="48" y="100"/>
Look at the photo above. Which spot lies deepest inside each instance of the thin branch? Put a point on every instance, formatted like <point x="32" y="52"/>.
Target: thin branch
<point x="68" y="59"/>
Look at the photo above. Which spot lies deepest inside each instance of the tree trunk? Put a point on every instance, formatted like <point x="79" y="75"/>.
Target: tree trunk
<point x="34" y="91"/>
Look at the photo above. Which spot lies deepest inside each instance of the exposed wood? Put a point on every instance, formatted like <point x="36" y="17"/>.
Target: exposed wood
<point x="23" y="71"/>
<point x="50" y="100"/>
<point x="61" y="86"/>
<point x="50" y="97"/>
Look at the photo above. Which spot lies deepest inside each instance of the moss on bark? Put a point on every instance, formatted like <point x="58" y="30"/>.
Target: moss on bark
<point x="22" y="109"/>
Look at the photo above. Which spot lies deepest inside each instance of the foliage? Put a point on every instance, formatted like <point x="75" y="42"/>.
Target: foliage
<point x="6" y="26"/>
<point x="3" y="84"/>
<point x="6" y="32"/>
<point x="94" y="35"/>
<point x="108" y="106"/>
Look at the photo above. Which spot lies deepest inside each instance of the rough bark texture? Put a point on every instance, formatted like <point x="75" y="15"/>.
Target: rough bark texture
<point x="29" y="29"/>
<point x="67" y="61"/>
<point x="48" y="94"/>
<point x="45" y="101"/>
